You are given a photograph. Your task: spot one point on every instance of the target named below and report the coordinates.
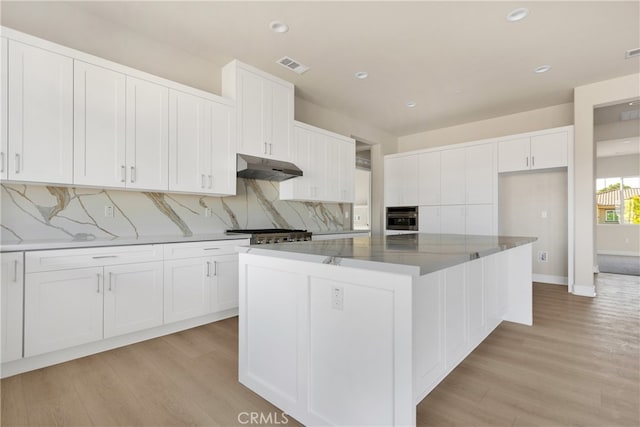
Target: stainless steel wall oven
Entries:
(402, 218)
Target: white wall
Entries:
(543, 118)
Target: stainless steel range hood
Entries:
(268, 169)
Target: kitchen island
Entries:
(358, 331)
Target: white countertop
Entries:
(35, 245)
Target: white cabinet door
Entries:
(452, 175)
(222, 151)
(429, 178)
(456, 314)
(11, 282)
(513, 155)
(99, 126)
(401, 181)
(549, 151)
(132, 298)
(429, 219)
(279, 111)
(187, 288)
(331, 184)
(189, 142)
(62, 309)
(300, 188)
(224, 289)
(476, 312)
(147, 135)
(40, 120)
(479, 220)
(3, 107)
(479, 173)
(453, 219)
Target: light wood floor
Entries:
(578, 365)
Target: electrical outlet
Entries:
(207, 212)
(543, 214)
(108, 211)
(337, 298)
(543, 256)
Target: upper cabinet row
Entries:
(449, 177)
(72, 122)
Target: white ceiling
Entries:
(459, 61)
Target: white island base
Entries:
(350, 344)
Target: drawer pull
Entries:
(211, 249)
(104, 256)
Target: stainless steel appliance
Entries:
(402, 218)
(274, 235)
(252, 167)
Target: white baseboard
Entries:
(547, 278)
(42, 360)
(619, 253)
(584, 290)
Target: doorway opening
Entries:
(362, 205)
(617, 188)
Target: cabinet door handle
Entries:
(210, 181)
(17, 163)
(208, 269)
(215, 268)
(533, 161)
(15, 270)
(133, 174)
(2, 162)
(265, 148)
(270, 147)
(527, 161)
(123, 173)
(98, 288)
(202, 181)
(110, 281)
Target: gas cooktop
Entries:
(274, 235)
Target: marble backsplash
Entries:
(33, 212)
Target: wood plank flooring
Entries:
(578, 365)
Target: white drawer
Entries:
(63, 259)
(202, 249)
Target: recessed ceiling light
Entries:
(542, 69)
(361, 75)
(279, 27)
(518, 14)
(411, 104)
(626, 142)
(634, 102)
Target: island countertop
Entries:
(415, 254)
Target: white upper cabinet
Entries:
(147, 135)
(200, 145)
(401, 181)
(453, 189)
(40, 115)
(3, 107)
(264, 106)
(99, 126)
(327, 161)
(480, 174)
(429, 178)
(549, 151)
(536, 152)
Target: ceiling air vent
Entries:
(292, 65)
(632, 53)
(629, 115)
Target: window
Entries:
(618, 200)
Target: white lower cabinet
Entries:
(132, 298)
(78, 296)
(12, 296)
(200, 278)
(453, 219)
(429, 219)
(62, 309)
(457, 219)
